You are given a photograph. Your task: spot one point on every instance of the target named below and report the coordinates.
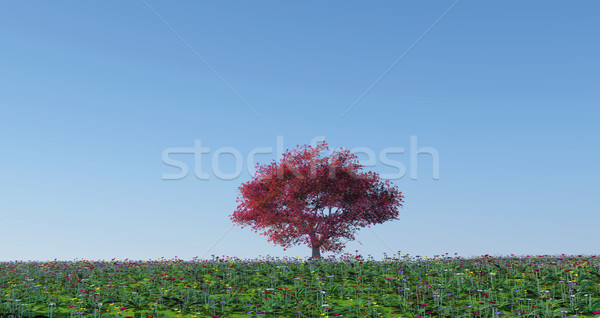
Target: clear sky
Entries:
(93, 93)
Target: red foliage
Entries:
(320, 200)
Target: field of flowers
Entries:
(349, 286)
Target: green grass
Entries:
(350, 286)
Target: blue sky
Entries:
(92, 94)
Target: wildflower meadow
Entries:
(347, 286)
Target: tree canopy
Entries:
(316, 197)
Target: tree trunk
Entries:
(316, 249)
(316, 252)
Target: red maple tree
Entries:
(316, 199)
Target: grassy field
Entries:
(349, 286)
